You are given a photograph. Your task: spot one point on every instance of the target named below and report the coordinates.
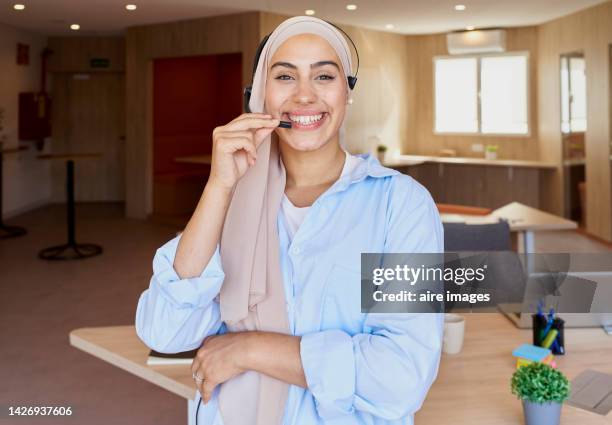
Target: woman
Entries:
(265, 278)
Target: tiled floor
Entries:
(40, 302)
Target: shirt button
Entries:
(295, 250)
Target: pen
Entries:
(549, 323)
(285, 124)
(550, 338)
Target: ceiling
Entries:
(104, 17)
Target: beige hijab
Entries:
(252, 296)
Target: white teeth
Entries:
(305, 119)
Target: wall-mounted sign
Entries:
(99, 63)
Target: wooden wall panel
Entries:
(89, 116)
(588, 31)
(73, 54)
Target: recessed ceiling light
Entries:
(389, 26)
(75, 27)
(19, 6)
(351, 7)
(309, 12)
(460, 7)
(130, 6)
(469, 28)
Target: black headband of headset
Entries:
(352, 80)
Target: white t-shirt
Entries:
(294, 216)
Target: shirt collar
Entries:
(368, 166)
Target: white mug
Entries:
(454, 329)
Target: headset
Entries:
(352, 80)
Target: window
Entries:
(573, 94)
(482, 94)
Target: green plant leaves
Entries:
(540, 383)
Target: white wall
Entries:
(27, 180)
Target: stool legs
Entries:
(71, 250)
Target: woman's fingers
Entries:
(251, 115)
(252, 123)
(261, 134)
(206, 386)
(207, 390)
(233, 144)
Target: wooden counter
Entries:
(407, 160)
(476, 182)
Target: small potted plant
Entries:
(381, 150)
(542, 390)
(491, 152)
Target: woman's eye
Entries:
(284, 77)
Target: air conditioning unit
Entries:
(476, 41)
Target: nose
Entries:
(304, 92)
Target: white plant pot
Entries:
(490, 155)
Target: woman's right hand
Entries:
(235, 147)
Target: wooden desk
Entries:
(121, 347)
(472, 387)
(521, 218)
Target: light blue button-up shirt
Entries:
(360, 368)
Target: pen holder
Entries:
(539, 325)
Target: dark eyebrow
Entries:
(314, 65)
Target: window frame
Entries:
(478, 58)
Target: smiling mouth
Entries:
(306, 122)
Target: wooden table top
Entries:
(472, 387)
(523, 217)
(121, 347)
(520, 218)
(69, 155)
(194, 159)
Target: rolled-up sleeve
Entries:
(175, 314)
(388, 368)
(385, 371)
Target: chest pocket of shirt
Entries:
(342, 300)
